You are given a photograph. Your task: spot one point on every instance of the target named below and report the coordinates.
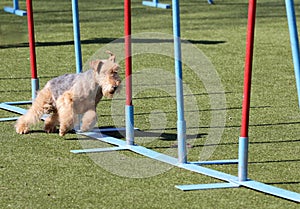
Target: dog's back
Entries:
(61, 84)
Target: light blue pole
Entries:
(181, 124)
(76, 29)
(291, 17)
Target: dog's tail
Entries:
(33, 115)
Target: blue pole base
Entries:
(129, 124)
(181, 139)
(15, 11)
(243, 158)
(156, 4)
(34, 87)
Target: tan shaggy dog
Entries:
(66, 97)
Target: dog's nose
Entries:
(115, 88)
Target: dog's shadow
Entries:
(148, 136)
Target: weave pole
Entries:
(291, 17)
(230, 181)
(76, 29)
(181, 123)
(34, 78)
(128, 72)
(243, 140)
(10, 106)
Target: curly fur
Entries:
(67, 96)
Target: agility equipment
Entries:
(15, 9)
(76, 29)
(155, 3)
(291, 17)
(10, 106)
(230, 180)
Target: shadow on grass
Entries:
(284, 182)
(161, 136)
(110, 40)
(25, 77)
(276, 161)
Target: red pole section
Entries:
(128, 61)
(248, 68)
(31, 39)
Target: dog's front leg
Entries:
(89, 120)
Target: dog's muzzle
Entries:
(114, 89)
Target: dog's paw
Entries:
(63, 132)
(50, 129)
(22, 129)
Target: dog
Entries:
(66, 97)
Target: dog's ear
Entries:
(112, 56)
(115, 68)
(96, 65)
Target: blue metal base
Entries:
(15, 11)
(210, 2)
(9, 119)
(106, 149)
(9, 106)
(207, 186)
(156, 4)
(231, 181)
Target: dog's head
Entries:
(106, 75)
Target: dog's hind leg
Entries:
(35, 112)
(50, 123)
(65, 112)
(89, 120)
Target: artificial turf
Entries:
(38, 171)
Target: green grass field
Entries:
(38, 171)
